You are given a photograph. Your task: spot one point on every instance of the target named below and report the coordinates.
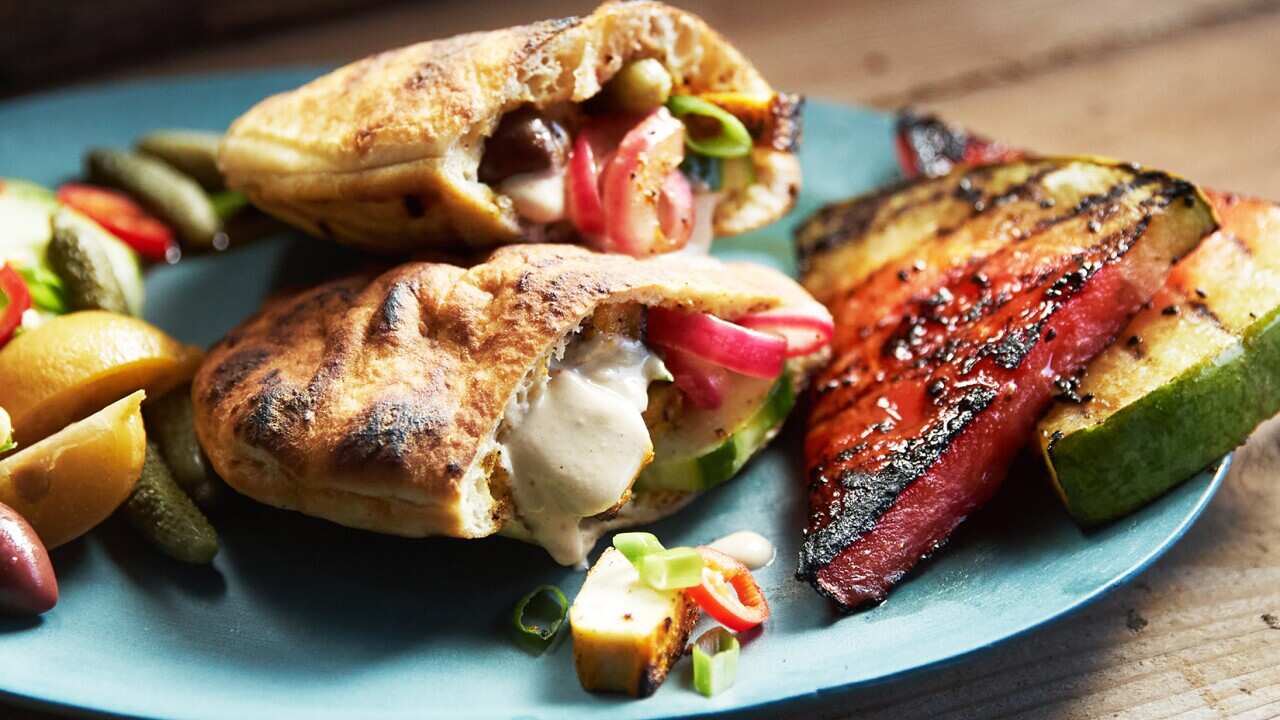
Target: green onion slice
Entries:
(635, 545)
(715, 661)
(732, 139)
(539, 616)
(671, 569)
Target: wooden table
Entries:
(1191, 86)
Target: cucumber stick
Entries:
(694, 469)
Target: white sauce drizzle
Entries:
(577, 440)
(749, 548)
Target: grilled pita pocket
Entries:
(385, 401)
(385, 153)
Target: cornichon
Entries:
(88, 280)
(168, 193)
(119, 260)
(1189, 378)
(193, 152)
(171, 424)
(166, 517)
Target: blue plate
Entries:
(311, 620)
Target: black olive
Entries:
(524, 142)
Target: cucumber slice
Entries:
(681, 465)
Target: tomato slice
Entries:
(122, 217)
(728, 592)
(17, 301)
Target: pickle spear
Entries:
(176, 198)
(165, 516)
(193, 152)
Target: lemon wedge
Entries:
(67, 483)
(76, 364)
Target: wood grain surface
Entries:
(1190, 86)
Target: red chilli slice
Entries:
(729, 593)
(122, 217)
(17, 301)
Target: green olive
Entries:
(639, 87)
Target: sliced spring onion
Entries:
(539, 616)
(731, 139)
(46, 289)
(715, 661)
(635, 545)
(671, 569)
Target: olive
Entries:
(524, 142)
(27, 583)
(639, 87)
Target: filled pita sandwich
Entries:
(635, 129)
(548, 393)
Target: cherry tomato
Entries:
(122, 217)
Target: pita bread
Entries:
(383, 153)
(374, 401)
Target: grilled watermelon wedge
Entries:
(1193, 375)
(930, 147)
(1190, 377)
(958, 303)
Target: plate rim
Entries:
(817, 695)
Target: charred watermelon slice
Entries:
(929, 147)
(1196, 371)
(959, 302)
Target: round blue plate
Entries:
(303, 619)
